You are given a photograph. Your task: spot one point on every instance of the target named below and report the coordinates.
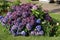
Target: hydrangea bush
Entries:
(29, 19)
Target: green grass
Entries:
(4, 35)
(55, 16)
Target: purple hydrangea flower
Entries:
(24, 14)
(41, 32)
(17, 8)
(28, 19)
(32, 17)
(32, 33)
(32, 22)
(14, 27)
(36, 33)
(28, 26)
(9, 13)
(19, 13)
(24, 21)
(34, 7)
(10, 17)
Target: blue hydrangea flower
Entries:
(20, 26)
(1, 17)
(5, 20)
(19, 20)
(23, 33)
(38, 27)
(38, 21)
(14, 30)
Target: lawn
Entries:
(55, 16)
(4, 35)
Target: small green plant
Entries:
(4, 5)
(28, 0)
(16, 2)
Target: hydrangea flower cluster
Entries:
(20, 18)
